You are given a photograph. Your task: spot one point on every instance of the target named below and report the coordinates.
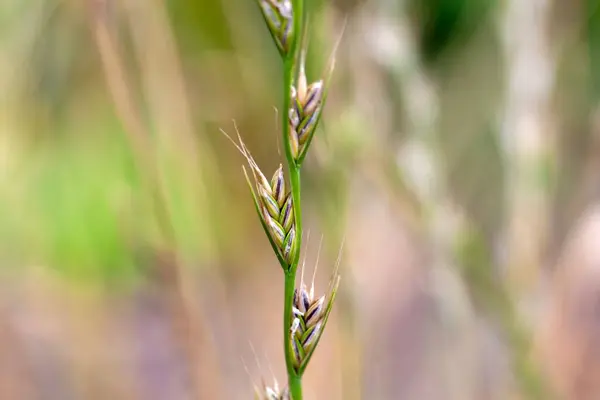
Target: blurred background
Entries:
(458, 160)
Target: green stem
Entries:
(289, 70)
(295, 385)
(294, 380)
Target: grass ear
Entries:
(279, 208)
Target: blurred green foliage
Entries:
(448, 24)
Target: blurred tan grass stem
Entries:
(186, 325)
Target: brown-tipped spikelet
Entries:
(310, 315)
(279, 16)
(274, 205)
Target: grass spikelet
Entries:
(274, 206)
(310, 315)
(279, 15)
(308, 100)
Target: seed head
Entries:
(278, 220)
(275, 206)
(307, 103)
(279, 16)
(309, 316)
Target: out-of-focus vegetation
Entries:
(458, 160)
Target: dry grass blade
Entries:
(186, 325)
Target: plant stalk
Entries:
(294, 381)
(295, 385)
(289, 70)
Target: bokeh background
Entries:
(458, 162)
